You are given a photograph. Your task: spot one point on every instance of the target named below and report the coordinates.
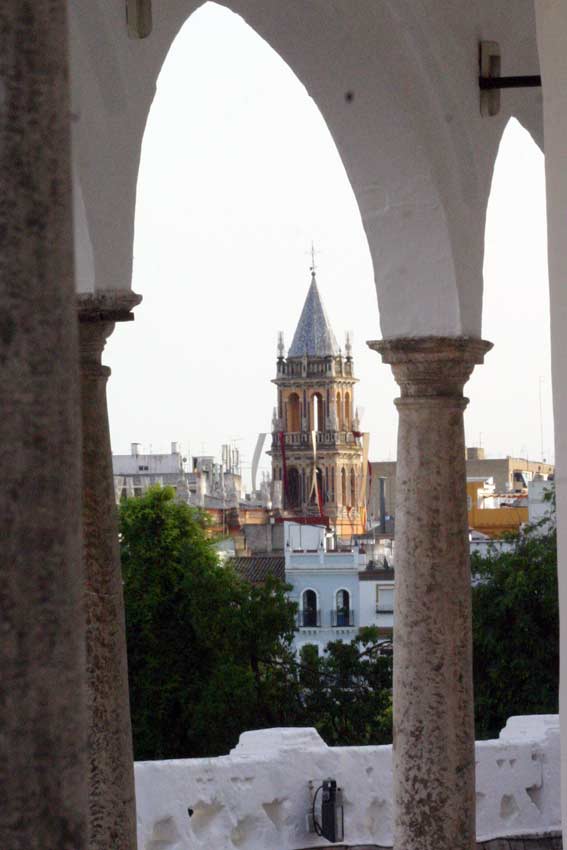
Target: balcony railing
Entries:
(342, 619)
(295, 439)
(309, 619)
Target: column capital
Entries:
(98, 312)
(111, 305)
(426, 367)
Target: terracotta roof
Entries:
(256, 568)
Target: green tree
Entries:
(516, 630)
(202, 643)
(346, 694)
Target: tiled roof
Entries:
(313, 335)
(256, 568)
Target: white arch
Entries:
(400, 98)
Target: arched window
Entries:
(352, 488)
(317, 413)
(348, 415)
(293, 488)
(343, 487)
(309, 612)
(340, 411)
(293, 414)
(342, 608)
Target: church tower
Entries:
(317, 448)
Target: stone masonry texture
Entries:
(42, 711)
(112, 810)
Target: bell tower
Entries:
(317, 448)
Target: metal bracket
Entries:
(139, 18)
(490, 82)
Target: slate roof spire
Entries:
(313, 335)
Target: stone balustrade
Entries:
(258, 797)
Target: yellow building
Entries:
(317, 449)
(492, 513)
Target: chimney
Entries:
(134, 449)
(174, 448)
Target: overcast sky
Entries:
(238, 175)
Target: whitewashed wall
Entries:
(258, 796)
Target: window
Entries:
(309, 615)
(343, 614)
(384, 600)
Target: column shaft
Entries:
(112, 812)
(434, 760)
(42, 712)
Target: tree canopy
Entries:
(516, 629)
(199, 637)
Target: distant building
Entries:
(509, 474)
(136, 472)
(337, 588)
(495, 514)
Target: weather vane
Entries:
(313, 266)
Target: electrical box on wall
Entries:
(326, 816)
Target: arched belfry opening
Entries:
(293, 413)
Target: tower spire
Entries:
(313, 336)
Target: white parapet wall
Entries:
(259, 796)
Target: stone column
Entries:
(42, 713)
(434, 760)
(112, 810)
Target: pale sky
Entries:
(239, 174)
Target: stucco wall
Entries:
(258, 796)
